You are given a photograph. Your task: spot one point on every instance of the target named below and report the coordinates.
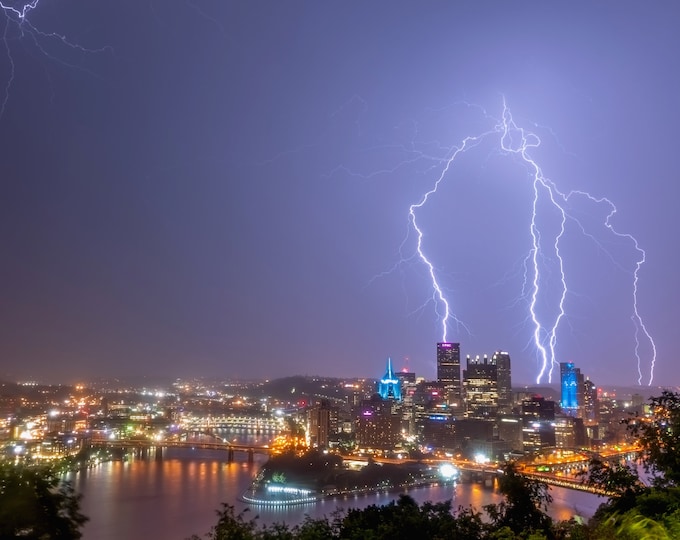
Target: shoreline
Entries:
(302, 496)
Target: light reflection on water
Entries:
(566, 503)
(178, 496)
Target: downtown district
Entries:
(469, 413)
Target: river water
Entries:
(178, 496)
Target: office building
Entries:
(570, 432)
(322, 424)
(408, 393)
(572, 388)
(538, 423)
(480, 383)
(590, 415)
(448, 373)
(378, 427)
(389, 386)
(505, 400)
(438, 431)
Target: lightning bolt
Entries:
(516, 141)
(20, 13)
(636, 318)
(437, 293)
(17, 20)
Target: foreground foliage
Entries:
(659, 439)
(648, 508)
(403, 519)
(36, 504)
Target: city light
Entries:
(448, 471)
(288, 490)
(481, 459)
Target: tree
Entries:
(231, 526)
(526, 501)
(621, 483)
(35, 503)
(314, 529)
(635, 510)
(659, 438)
(405, 519)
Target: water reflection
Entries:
(178, 496)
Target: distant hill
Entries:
(301, 387)
(621, 392)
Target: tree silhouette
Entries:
(35, 503)
(659, 438)
(526, 502)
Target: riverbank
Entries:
(290, 479)
(278, 496)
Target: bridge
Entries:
(144, 446)
(258, 423)
(554, 473)
(579, 460)
(570, 483)
(487, 472)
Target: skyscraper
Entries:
(538, 419)
(480, 381)
(389, 386)
(590, 415)
(377, 425)
(408, 392)
(572, 386)
(322, 422)
(505, 401)
(448, 373)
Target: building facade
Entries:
(505, 396)
(538, 424)
(448, 373)
(378, 427)
(322, 424)
(572, 387)
(480, 384)
(389, 386)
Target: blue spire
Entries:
(390, 386)
(389, 374)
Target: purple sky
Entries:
(215, 192)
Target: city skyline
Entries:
(252, 199)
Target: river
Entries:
(178, 496)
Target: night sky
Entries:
(217, 188)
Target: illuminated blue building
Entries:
(389, 386)
(571, 381)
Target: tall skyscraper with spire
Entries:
(389, 386)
